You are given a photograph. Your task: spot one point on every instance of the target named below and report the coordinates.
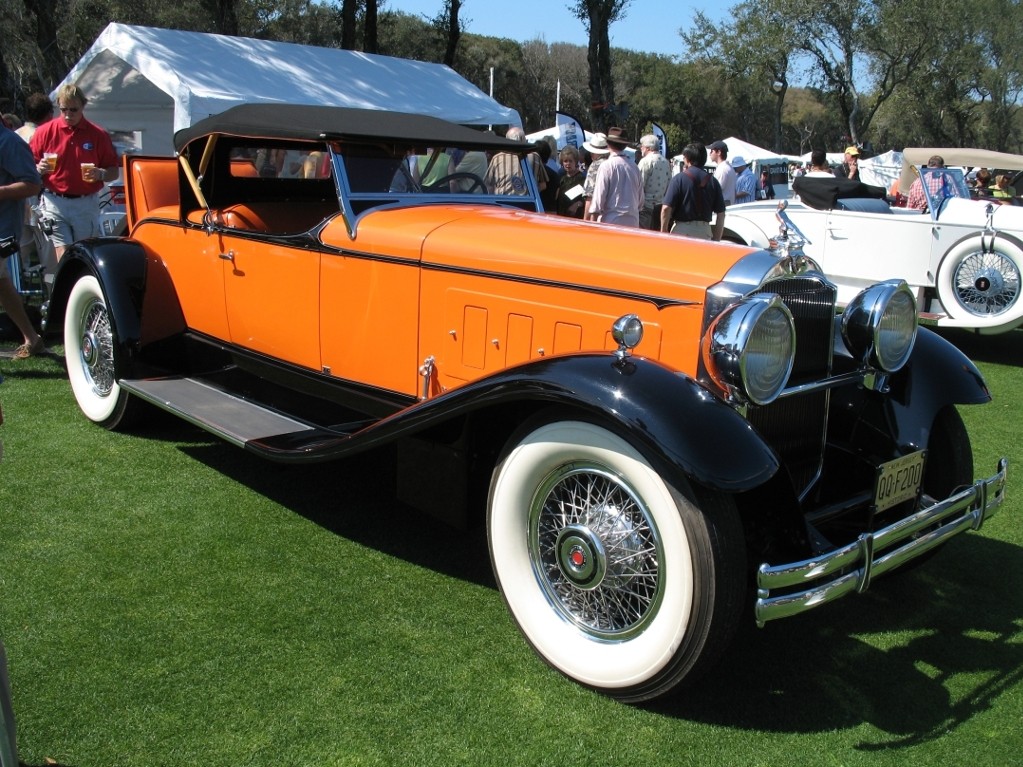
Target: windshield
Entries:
(942, 183)
(395, 170)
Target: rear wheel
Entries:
(91, 349)
(616, 578)
(982, 284)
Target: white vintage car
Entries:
(962, 256)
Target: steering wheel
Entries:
(439, 184)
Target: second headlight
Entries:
(879, 325)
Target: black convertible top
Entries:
(322, 123)
(823, 193)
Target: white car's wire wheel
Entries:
(89, 349)
(982, 283)
(615, 578)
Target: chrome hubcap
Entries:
(595, 551)
(96, 349)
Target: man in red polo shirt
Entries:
(74, 158)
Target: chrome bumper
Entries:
(851, 568)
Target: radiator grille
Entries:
(796, 426)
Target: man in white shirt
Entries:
(724, 172)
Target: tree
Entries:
(349, 13)
(225, 15)
(597, 16)
(52, 63)
(756, 51)
(370, 28)
(1002, 80)
(454, 29)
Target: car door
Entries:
(861, 248)
(272, 296)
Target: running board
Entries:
(233, 418)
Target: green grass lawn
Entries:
(167, 599)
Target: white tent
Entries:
(882, 170)
(758, 157)
(144, 83)
(834, 158)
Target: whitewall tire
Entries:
(89, 349)
(615, 578)
(982, 289)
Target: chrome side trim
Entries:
(853, 567)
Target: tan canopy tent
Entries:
(954, 157)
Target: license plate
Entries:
(899, 480)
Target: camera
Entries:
(8, 246)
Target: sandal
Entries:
(25, 351)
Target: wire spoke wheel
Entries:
(595, 551)
(987, 283)
(619, 578)
(90, 350)
(96, 348)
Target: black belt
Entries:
(67, 196)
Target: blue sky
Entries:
(650, 26)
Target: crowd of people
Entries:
(600, 182)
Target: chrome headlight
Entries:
(750, 347)
(879, 325)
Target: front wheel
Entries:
(90, 349)
(617, 579)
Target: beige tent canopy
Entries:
(954, 156)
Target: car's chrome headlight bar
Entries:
(749, 347)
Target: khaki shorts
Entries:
(698, 229)
(71, 218)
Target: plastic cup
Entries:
(86, 167)
(51, 160)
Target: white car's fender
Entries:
(741, 229)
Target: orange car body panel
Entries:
(475, 288)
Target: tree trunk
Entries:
(54, 66)
(348, 16)
(454, 31)
(369, 36)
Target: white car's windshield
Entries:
(942, 183)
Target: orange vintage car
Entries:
(648, 425)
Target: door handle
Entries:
(229, 256)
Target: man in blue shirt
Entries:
(19, 180)
(693, 198)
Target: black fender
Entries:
(679, 422)
(120, 267)
(936, 376)
(674, 421)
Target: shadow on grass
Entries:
(356, 499)
(955, 630)
(949, 633)
(1003, 349)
